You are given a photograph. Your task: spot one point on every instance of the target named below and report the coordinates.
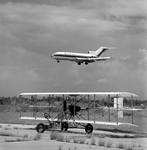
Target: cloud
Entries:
(128, 10)
(79, 82)
(51, 27)
(101, 80)
(32, 31)
(143, 60)
(32, 75)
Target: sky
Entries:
(31, 31)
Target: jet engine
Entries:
(91, 52)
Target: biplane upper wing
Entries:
(117, 94)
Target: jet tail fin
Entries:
(102, 50)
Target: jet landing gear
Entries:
(88, 128)
(58, 61)
(79, 63)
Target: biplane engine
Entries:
(71, 109)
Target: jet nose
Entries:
(53, 55)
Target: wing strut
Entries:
(88, 106)
(94, 108)
(117, 108)
(109, 107)
(132, 110)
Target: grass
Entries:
(129, 148)
(88, 136)
(16, 140)
(37, 137)
(93, 141)
(25, 135)
(67, 139)
(101, 142)
(120, 146)
(101, 135)
(82, 141)
(57, 136)
(109, 144)
(7, 134)
(8, 128)
(13, 135)
(53, 135)
(139, 145)
(75, 140)
(60, 147)
(21, 138)
(16, 128)
(60, 137)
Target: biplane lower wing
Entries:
(121, 109)
(80, 121)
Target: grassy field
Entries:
(17, 138)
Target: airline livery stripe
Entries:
(75, 56)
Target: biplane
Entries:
(69, 115)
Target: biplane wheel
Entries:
(88, 128)
(64, 126)
(40, 128)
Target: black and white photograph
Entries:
(73, 74)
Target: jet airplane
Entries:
(91, 56)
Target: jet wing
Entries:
(92, 59)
